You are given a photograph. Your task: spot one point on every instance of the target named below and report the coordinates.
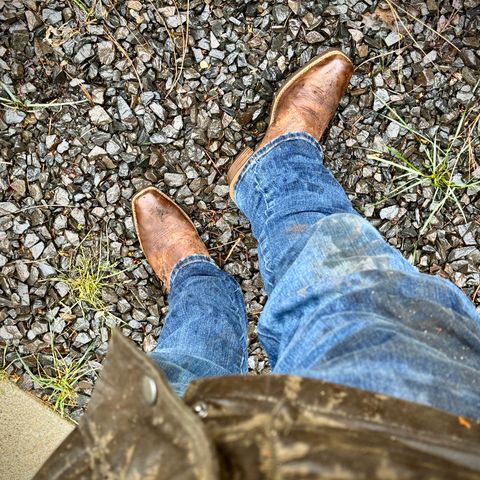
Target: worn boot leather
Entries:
(306, 103)
(165, 232)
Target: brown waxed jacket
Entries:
(255, 427)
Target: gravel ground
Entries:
(160, 110)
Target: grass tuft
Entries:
(61, 378)
(89, 272)
(439, 167)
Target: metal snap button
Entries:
(201, 409)
(149, 390)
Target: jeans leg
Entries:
(284, 190)
(344, 306)
(205, 331)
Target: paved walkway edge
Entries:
(30, 432)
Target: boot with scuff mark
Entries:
(166, 233)
(306, 103)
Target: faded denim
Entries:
(344, 306)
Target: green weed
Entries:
(61, 378)
(89, 272)
(438, 167)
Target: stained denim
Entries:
(343, 306)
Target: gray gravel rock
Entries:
(33, 20)
(81, 339)
(19, 187)
(14, 117)
(98, 116)
(84, 52)
(280, 13)
(393, 130)
(381, 98)
(58, 325)
(61, 197)
(113, 194)
(7, 207)
(50, 141)
(63, 146)
(154, 116)
(37, 250)
(37, 328)
(124, 111)
(22, 270)
(392, 38)
(314, 37)
(51, 17)
(62, 288)
(389, 213)
(10, 332)
(106, 52)
(158, 110)
(174, 179)
(20, 39)
(470, 58)
(46, 270)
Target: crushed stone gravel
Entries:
(170, 111)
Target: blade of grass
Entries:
(412, 171)
(459, 205)
(398, 155)
(433, 212)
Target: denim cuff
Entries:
(196, 258)
(265, 150)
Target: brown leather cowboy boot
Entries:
(306, 103)
(165, 232)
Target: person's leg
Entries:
(343, 305)
(205, 331)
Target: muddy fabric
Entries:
(241, 427)
(135, 428)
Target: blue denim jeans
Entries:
(343, 306)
